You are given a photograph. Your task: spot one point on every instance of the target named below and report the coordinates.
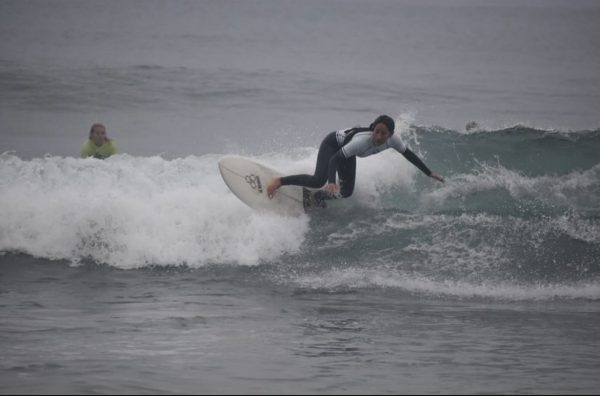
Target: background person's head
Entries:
(98, 134)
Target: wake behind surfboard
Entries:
(248, 180)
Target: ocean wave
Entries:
(494, 188)
(131, 212)
(530, 151)
(489, 224)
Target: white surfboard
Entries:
(248, 180)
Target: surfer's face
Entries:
(380, 134)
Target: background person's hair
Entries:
(94, 126)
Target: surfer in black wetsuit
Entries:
(338, 152)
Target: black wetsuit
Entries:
(338, 152)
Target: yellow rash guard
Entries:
(89, 149)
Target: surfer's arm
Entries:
(331, 186)
(416, 161)
(333, 165)
(403, 149)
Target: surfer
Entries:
(98, 144)
(338, 152)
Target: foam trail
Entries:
(355, 278)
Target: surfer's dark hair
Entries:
(385, 120)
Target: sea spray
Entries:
(130, 212)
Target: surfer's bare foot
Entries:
(273, 186)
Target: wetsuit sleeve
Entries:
(416, 161)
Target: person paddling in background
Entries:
(98, 144)
(338, 152)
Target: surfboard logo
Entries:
(254, 182)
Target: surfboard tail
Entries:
(311, 200)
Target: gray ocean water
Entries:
(143, 274)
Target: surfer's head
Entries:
(383, 128)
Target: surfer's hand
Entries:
(273, 186)
(437, 177)
(331, 188)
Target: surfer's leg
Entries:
(328, 148)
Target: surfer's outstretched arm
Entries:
(416, 161)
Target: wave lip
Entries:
(494, 188)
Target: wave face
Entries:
(518, 216)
